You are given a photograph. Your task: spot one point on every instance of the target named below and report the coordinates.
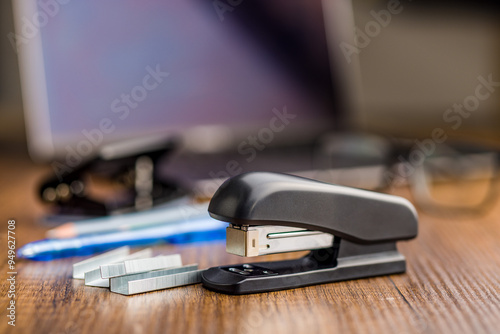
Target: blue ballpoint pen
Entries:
(205, 229)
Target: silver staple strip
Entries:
(93, 277)
(115, 255)
(163, 282)
(264, 240)
(141, 265)
(120, 284)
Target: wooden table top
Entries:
(452, 285)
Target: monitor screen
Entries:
(104, 71)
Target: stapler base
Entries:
(281, 275)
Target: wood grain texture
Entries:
(452, 286)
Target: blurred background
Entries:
(426, 59)
(11, 111)
(356, 77)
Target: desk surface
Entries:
(452, 286)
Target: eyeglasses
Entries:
(448, 181)
(454, 184)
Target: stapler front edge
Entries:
(350, 232)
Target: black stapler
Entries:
(351, 233)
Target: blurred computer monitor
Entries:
(212, 73)
(414, 67)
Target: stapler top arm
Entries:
(277, 199)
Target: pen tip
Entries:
(25, 252)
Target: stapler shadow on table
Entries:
(351, 233)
